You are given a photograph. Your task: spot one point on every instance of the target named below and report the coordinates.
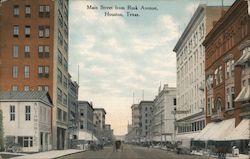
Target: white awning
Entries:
(244, 58)
(186, 136)
(244, 94)
(158, 138)
(216, 130)
(241, 132)
(83, 135)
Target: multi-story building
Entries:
(162, 126)
(145, 118)
(108, 134)
(133, 129)
(27, 119)
(227, 46)
(190, 71)
(99, 122)
(73, 115)
(34, 54)
(86, 115)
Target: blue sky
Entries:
(121, 55)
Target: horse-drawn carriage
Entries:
(118, 145)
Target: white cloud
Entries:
(117, 57)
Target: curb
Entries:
(68, 154)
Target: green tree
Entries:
(1, 131)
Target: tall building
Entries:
(145, 119)
(86, 115)
(162, 125)
(34, 54)
(99, 122)
(190, 55)
(228, 87)
(73, 116)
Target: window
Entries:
(26, 51)
(216, 76)
(81, 112)
(40, 71)
(15, 51)
(26, 88)
(208, 106)
(43, 31)
(27, 11)
(27, 31)
(229, 69)
(65, 99)
(16, 10)
(12, 113)
(59, 57)
(14, 71)
(25, 141)
(15, 31)
(43, 51)
(26, 71)
(65, 64)
(174, 101)
(59, 76)
(44, 11)
(59, 94)
(60, 38)
(65, 81)
(14, 88)
(43, 71)
(46, 71)
(43, 88)
(27, 112)
(59, 114)
(220, 74)
(81, 126)
(64, 116)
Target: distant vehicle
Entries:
(118, 145)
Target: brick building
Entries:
(34, 54)
(224, 82)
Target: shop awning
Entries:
(244, 94)
(83, 135)
(216, 130)
(186, 136)
(244, 58)
(241, 132)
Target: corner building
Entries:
(34, 54)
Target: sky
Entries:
(121, 56)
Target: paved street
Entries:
(130, 152)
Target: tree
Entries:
(1, 131)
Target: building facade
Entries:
(133, 129)
(227, 91)
(145, 119)
(73, 116)
(27, 120)
(190, 55)
(162, 125)
(99, 122)
(34, 55)
(86, 116)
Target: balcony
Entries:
(217, 116)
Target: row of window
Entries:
(43, 51)
(43, 31)
(44, 11)
(13, 113)
(62, 97)
(43, 71)
(61, 115)
(27, 88)
(195, 126)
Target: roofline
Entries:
(223, 18)
(100, 109)
(83, 102)
(189, 26)
(23, 100)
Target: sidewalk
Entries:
(49, 154)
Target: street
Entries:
(130, 152)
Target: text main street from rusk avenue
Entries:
(122, 10)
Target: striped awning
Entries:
(244, 94)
